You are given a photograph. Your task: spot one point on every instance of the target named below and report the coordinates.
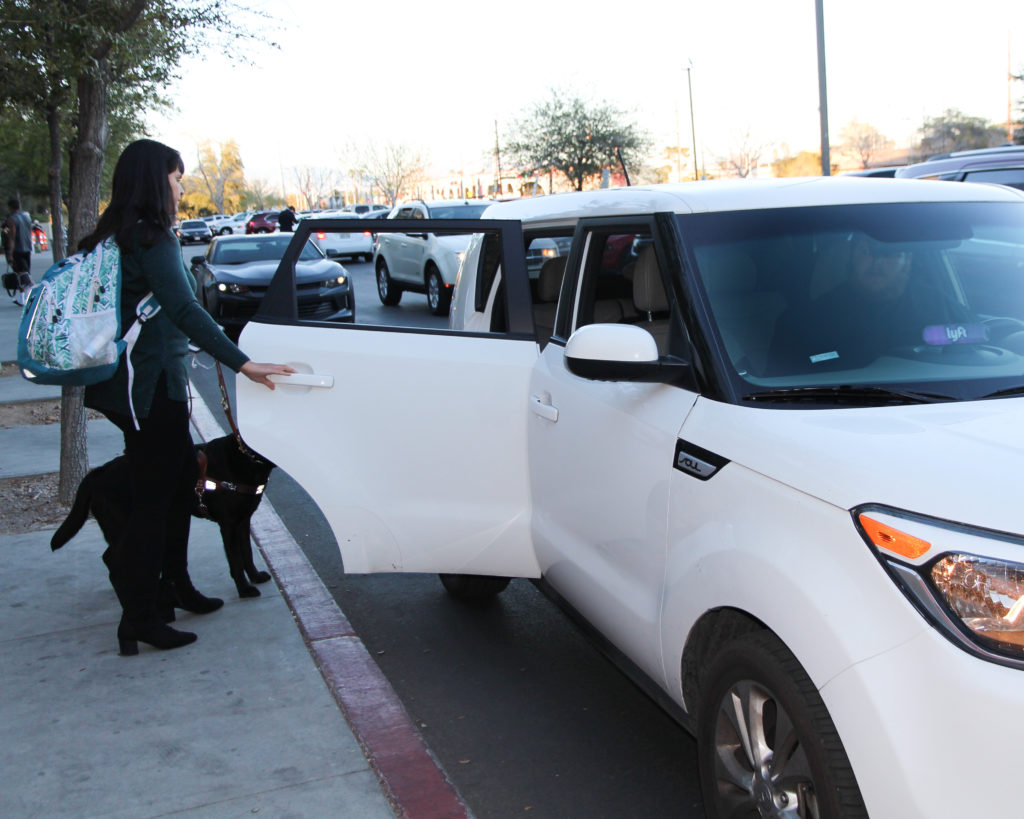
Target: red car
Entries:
(265, 221)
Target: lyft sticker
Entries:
(938, 335)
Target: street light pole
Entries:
(693, 129)
(826, 160)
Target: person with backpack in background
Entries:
(149, 565)
(18, 248)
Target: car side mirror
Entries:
(197, 260)
(620, 352)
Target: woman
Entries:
(160, 452)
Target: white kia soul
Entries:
(764, 436)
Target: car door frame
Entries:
(425, 467)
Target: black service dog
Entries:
(230, 488)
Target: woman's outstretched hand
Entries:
(259, 372)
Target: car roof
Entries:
(739, 194)
(1006, 156)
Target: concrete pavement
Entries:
(277, 709)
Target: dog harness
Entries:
(207, 484)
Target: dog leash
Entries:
(225, 404)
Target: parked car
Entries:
(264, 221)
(886, 171)
(814, 561)
(193, 230)
(543, 248)
(423, 262)
(1002, 166)
(233, 224)
(364, 209)
(354, 245)
(233, 276)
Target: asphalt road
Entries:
(524, 714)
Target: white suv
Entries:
(423, 262)
(765, 437)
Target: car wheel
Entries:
(473, 586)
(262, 230)
(225, 231)
(765, 741)
(439, 297)
(390, 294)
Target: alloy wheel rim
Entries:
(760, 760)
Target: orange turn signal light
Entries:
(892, 539)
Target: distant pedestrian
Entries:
(287, 219)
(18, 248)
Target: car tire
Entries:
(473, 586)
(225, 231)
(757, 699)
(262, 230)
(390, 294)
(439, 297)
(367, 257)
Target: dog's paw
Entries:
(249, 591)
(259, 577)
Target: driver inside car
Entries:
(884, 305)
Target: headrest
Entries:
(549, 281)
(648, 289)
(727, 270)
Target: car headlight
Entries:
(968, 582)
(232, 288)
(337, 281)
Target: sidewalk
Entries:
(277, 709)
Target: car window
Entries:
(244, 251)
(194, 223)
(457, 211)
(1013, 177)
(868, 294)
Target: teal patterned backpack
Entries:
(70, 331)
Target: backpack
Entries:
(70, 331)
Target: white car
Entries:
(423, 262)
(231, 224)
(766, 440)
(354, 245)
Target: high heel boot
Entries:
(154, 633)
(182, 594)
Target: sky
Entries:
(439, 77)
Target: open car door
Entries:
(412, 441)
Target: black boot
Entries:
(185, 596)
(157, 634)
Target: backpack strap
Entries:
(144, 311)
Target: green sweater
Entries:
(163, 342)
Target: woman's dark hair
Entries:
(140, 195)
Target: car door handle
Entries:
(303, 380)
(541, 405)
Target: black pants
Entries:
(162, 473)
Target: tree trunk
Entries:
(58, 241)
(86, 178)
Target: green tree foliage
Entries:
(70, 64)
(955, 131)
(575, 137)
(216, 182)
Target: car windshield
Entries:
(458, 211)
(925, 296)
(271, 249)
(193, 224)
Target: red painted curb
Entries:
(411, 778)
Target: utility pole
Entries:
(497, 162)
(693, 128)
(826, 160)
